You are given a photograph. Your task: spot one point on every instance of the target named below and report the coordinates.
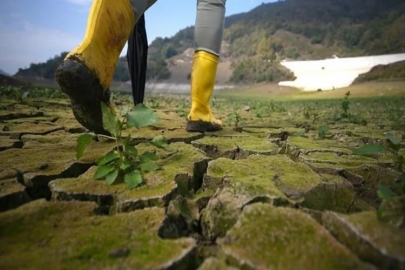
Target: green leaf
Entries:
(110, 120)
(145, 157)
(323, 128)
(132, 150)
(103, 171)
(126, 141)
(133, 179)
(109, 157)
(141, 116)
(393, 140)
(82, 142)
(369, 149)
(111, 177)
(125, 110)
(149, 167)
(125, 165)
(385, 193)
(159, 142)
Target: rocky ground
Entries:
(274, 192)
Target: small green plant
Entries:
(181, 110)
(393, 201)
(346, 106)
(391, 145)
(392, 208)
(307, 111)
(235, 118)
(124, 162)
(322, 131)
(258, 113)
(397, 118)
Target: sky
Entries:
(33, 31)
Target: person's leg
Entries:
(140, 6)
(87, 72)
(207, 44)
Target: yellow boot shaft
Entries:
(109, 26)
(203, 76)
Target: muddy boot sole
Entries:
(85, 92)
(200, 126)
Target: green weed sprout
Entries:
(392, 207)
(124, 162)
(346, 106)
(322, 131)
(181, 110)
(234, 118)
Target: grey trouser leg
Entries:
(140, 6)
(209, 26)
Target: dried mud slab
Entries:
(40, 128)
(333, 163)
(295, 146)
(372, 240)
(43, 141)
(276, 180)
(7, 143)
(12, 194)
(226, 205)
(182, 161)
(266, 237)
(213, 263)
(67, 235)
(70, 125)
(23, 113)
(238, 147)
(337, 197)
(278, 175)
(172, 135)
(38, 166)
(366, 178)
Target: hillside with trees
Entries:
(285, 30)
(391, 72)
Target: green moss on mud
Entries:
(53, 159)
(307, 144)
(374, 241)
(172, 135)
(327, 178)
(67, 235)
(272, 173)
(10, 186)
(53, 138)
(30, 128)
(334, 197)
(180, 159)
(249, 143)
(332, 160)
(281, 238)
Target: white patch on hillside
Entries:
(329, 74)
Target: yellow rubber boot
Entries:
(204, 70)
(87, 72)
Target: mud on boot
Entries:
(85, 92)
(201, 126)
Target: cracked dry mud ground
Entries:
(272, 196)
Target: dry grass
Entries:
(273, 91)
